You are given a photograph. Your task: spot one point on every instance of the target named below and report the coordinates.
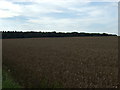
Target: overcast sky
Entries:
(59, 15)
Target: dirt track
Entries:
(70, 62)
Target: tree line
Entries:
(31, 34)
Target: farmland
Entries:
(69, 62)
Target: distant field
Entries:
(74, 62)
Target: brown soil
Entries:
(74, 62)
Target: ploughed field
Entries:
(71, 62)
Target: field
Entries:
(74, 62)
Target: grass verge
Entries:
(7, 80)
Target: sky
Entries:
(59, 15)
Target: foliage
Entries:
(20, 34)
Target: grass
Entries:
(44, 84)
(8, 81)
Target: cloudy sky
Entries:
(59, 15)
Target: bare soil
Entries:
(73, 62)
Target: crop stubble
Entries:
(74, 62)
